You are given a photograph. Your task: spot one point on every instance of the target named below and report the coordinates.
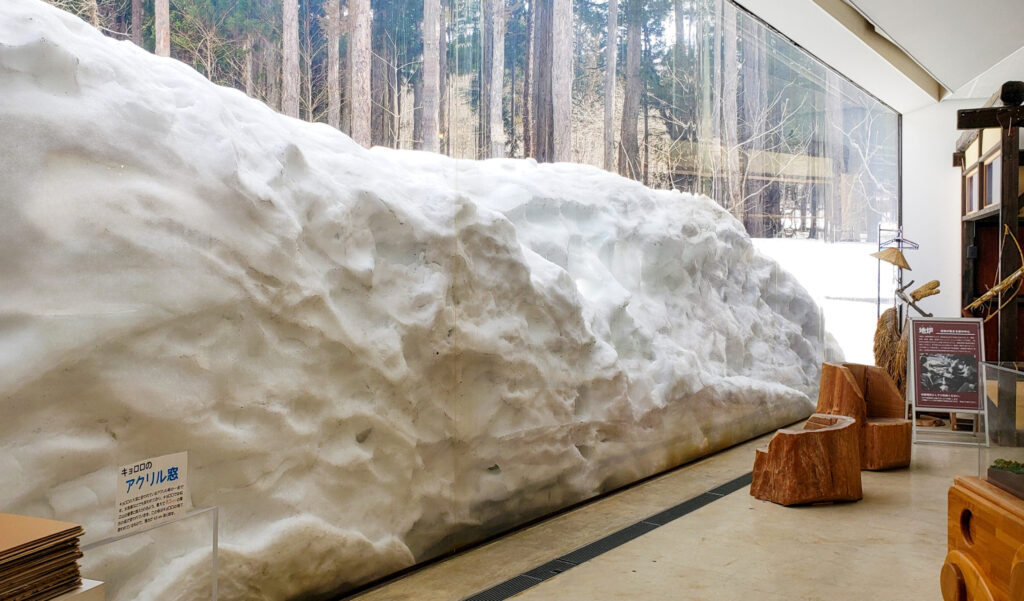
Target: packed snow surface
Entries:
(371, 356)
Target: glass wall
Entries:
(807, 160)
(706, 98)
(375, 357)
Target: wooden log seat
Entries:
(818, 464)
(867, 394)
(985, 538)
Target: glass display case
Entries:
(1002, 462)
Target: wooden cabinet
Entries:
(985, 552)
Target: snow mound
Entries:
(372, 356)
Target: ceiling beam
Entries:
(859, 26)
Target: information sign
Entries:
(151, 492)
(947, 356)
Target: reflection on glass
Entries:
(800, 155)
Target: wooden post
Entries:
(1009, 262)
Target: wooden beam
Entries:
(850, 18)
(990, 117)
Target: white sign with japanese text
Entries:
(151, 492)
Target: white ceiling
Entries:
(969, 47)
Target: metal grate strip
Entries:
(550, 569)
(520, 583)
(506, 589)
(688, 506)
(733, 485)
(603, 545)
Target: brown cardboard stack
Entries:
(38, 558)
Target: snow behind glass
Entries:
(372, 356)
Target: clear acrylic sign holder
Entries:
(211, 512)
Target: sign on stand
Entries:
(151, 492)
(944, 369)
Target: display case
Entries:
(1004, 397)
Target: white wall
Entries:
(931, 201)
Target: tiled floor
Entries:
(887, 547)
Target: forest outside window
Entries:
(697, 95)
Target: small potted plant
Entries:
(1007, 475)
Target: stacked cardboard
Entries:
(38, 558)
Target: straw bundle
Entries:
(890, 347)
(926, 290)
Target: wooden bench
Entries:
(867, 394)
(820, 463)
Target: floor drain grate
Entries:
(506, 589)
(550, 569)
(520, 583)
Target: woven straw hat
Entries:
(894, 256)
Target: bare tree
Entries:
(417, 112)
(162, 28)
(200, 39)
(496, 83)
(610, 61)
(290, 58)
(730, 109)
(359, 70)
(561, 80)
(528, 83)
(93, 12)
(333, 17)
(629, 148)
(834, 149)
(442, 56)
(384, 88)
(272, 70)
(483, 128)
(247, 67)
(431, 80)
(541, 95)
(137, 22)
(753, 76)
(306, 61)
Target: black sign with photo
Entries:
(947, 364)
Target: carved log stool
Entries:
(818, 464)
(867, 394)
(985, 533)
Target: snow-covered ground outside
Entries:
(842, 277)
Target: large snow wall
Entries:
(372, 356)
